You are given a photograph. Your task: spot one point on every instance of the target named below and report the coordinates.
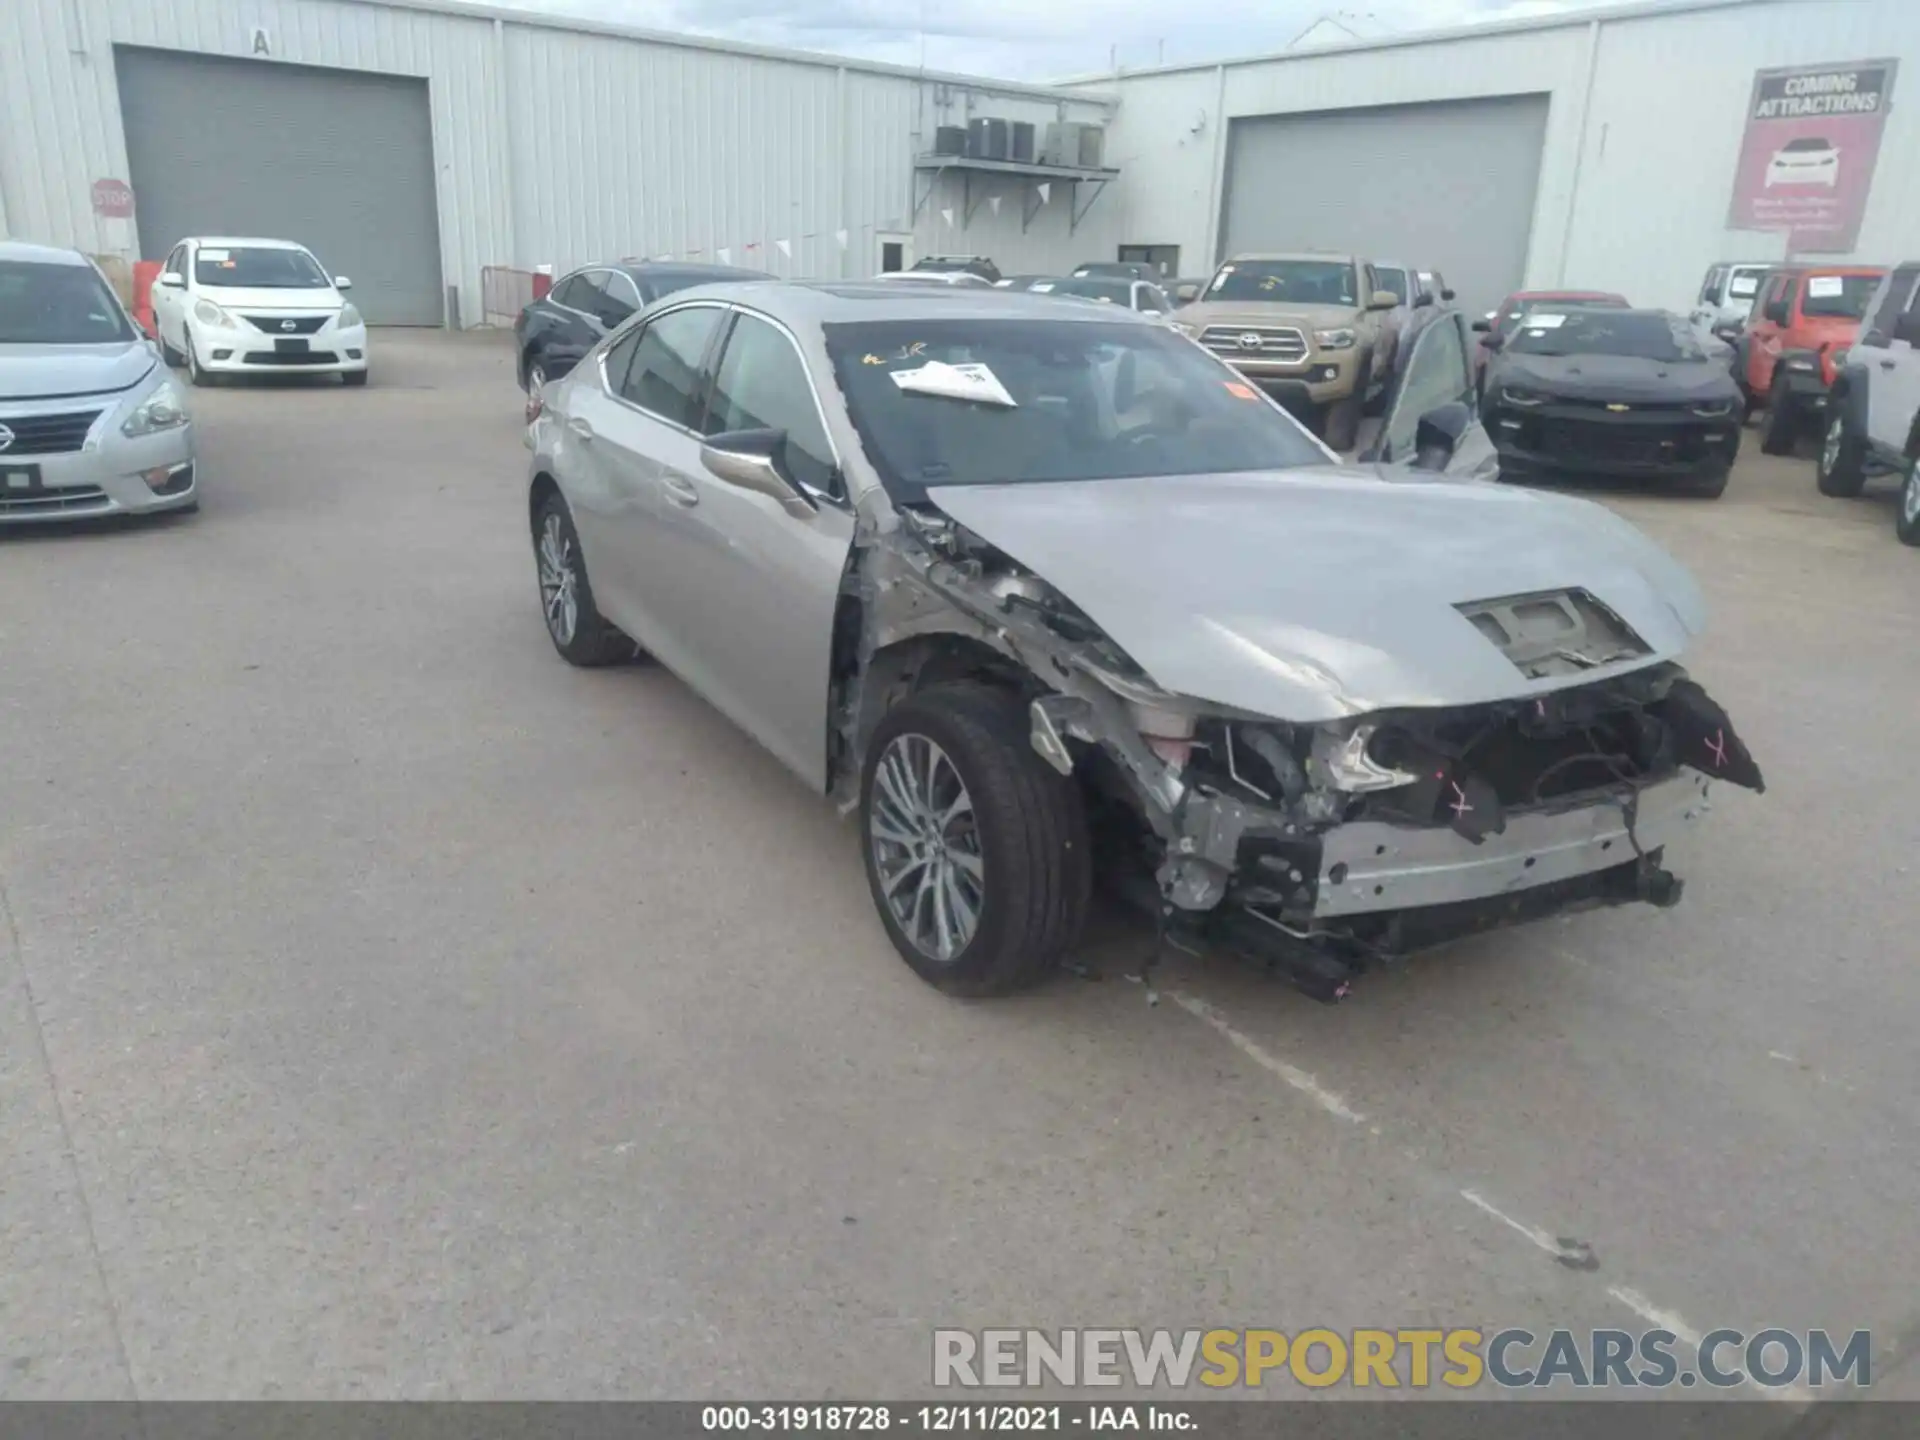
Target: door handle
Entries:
(581, 428)
(681, 492)
(1886, 364)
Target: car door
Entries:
(168, 308)
(1762, 347)
(750, 589)
(1896, 396)
(637, 415)
(1881, 355)
(1435, 372)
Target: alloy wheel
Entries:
(1910, 497)
(926, 846)
(559, 580)
(1830, 451)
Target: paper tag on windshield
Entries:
(1543, 322)
(1825, 287)
(216, 256)
(1043, 286)
(955, 382)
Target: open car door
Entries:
(1429, 418)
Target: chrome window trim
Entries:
(615, 337)
(843, 502)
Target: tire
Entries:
(1342, 425)
(584, 637)
(353, 377)
(196, 375)
(1906, 520)
(1780, 423)
(1842, 468)
(1710, 484)
(169, 356)
(1027, 841)
(533, 373)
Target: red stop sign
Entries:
(113, 199)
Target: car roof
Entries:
(839, 302)
(26, 251)
(640, 269)
(1566, 295)
(1293, 255)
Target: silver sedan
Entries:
(91, 424)
(1043, 591)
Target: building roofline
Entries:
(1572, 19)
(568, 24)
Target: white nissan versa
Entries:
(236, 307)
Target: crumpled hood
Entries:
(44, 372)
(1311, 594)
(1618, 377)
(276, 298)
(1253, 313)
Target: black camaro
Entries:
(556, 330)
(1629, 393)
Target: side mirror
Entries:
(1439, 434)
(1186, 294)
(1777, 312)
(341, 282)
(174, 280)
(1446, 294)
(748, 460)
(1482, 327)
(1383, 300)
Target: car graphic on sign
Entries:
(1810, 160)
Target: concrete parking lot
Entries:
(387, 1009)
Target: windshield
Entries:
(1295, 282)
(1394, 280)
(58, 305)
(1044, 400)
(1744, 284)
(1092, 287)
(1634, 334)
(1838, 297)
(258, 268)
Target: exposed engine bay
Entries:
(1322, 848)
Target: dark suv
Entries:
(973, 264)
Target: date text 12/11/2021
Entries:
(948, 1419)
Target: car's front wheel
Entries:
(1780, 425)
(976, 850)
(197, 374)
(579, 632)
(1842, 469)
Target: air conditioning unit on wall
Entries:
(987, 138)
(1073, 143)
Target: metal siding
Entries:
(1474, 229)
(341, 160)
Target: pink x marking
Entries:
(1460, 806)
(1718, 745)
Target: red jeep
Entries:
(1803, 317)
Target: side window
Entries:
(572, 292)
(1151, 300)
(1436, 373)
(603, 301)
(1774, 289)
(762, 385)
(1907, 327)
(1888, 305)
(665, 376)
(176, 263)
(1710, 287)
(622, 298)
(620, 359)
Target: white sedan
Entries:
(255, 307)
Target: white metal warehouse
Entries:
(413, 143)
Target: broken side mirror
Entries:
(1439, 434)
(749, 460)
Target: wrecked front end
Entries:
(1317, 849)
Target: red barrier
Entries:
(505, 292)
(542, 284)
(145, 272)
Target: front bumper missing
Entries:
(1368, 867)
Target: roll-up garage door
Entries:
(339, 160)
(1447, 186)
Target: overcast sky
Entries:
(1041, 39)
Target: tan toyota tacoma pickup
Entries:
(1312, 330)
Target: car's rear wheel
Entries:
(1780, 425)
(976, 850)
(1842, 468)
(579, 632)
(1906, 524)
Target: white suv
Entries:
(1873, 416)
(231, 306)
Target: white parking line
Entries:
(1573, 1254)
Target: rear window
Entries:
(1744, 284)
(58, 305)
(1031, 401)
(1838, 297)
(257, 268)
(1093, 287)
